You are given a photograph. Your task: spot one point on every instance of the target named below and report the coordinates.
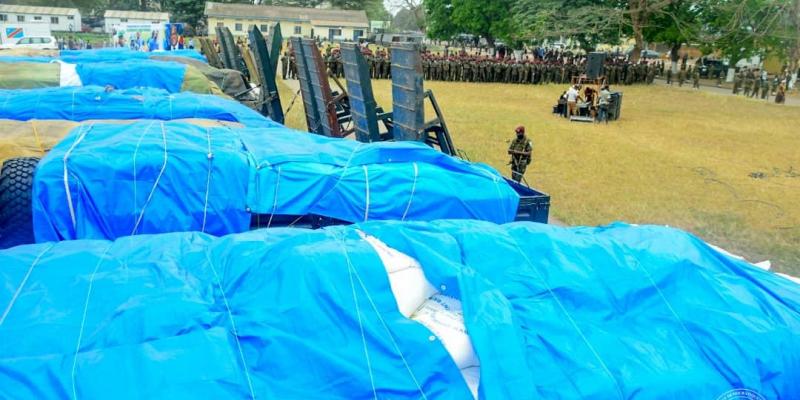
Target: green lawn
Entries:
(677, 157)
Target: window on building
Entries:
(238, 27)
(123, 20)
(220, 24)
(70, 17)
(298, 30)
(332, 33)
(20, 18)
(357, 33)
(264, 27)
(3, 17)
(53, 20)
(37, 18)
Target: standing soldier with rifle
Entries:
(520, 151)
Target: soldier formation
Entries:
(531, 70)
(464, 67)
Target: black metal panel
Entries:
(275, 43)
(227, 47)
(312, 116)
(321, 88)
(407, 93)
(270, 100)
(363, 108)
(208, 49)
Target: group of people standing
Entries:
(464, 67)
(530, 70)
(685, 73)
(753, 82)
(591, 101)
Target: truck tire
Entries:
(16, 187)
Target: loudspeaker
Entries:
(594, 65)
(615, 108)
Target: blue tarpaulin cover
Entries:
(134, 73)
(104, 55)
(153, 177)
(617, 312)
(94, 102)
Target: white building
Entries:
(60, 19)
(328, 24)
(115, 17)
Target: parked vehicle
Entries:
(11, 33)
(33, 42)
(711, 68)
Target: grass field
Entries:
(724, 168)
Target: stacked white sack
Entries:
(419, 301)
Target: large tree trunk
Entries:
(674, 56)
(794, 61)
(637, 10)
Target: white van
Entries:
(33, 42)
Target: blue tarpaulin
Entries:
(617, 312)
(153, 177)
(134, 73)
(94, 102)
(104, 55)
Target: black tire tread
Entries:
(16, 190)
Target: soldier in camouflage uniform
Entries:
(737, 82)
(520, 151)
(756, 84)
(748, 83)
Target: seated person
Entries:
(561, 106)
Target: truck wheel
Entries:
(16, 187)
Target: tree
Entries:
(491, 19)
(376, 11)
(674, 25)
(589, 21)
(741, 29)
(407, 20)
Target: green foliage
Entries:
(376, 11)
(491, 19)
(439, 14)
(743, 28)
(679, 22)
(591, 22)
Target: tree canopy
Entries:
(491, 19)
(736, 28)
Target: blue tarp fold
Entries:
(104, 55)
(154, 176)
(552, 313)
(134, 73)
(95, 103)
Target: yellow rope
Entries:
(36, 136)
